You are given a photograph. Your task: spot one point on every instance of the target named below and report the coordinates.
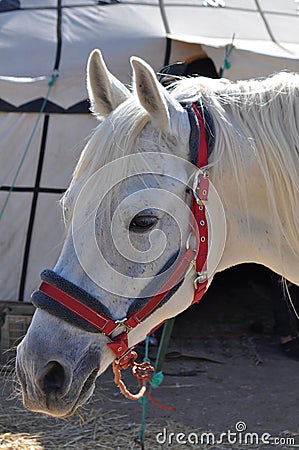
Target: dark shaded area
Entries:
(9, 5)
(240, 300)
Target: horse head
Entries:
(127, 214)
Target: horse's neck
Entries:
(251, 234)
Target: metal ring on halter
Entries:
(201, 278)
(188, 242)
(188, 245)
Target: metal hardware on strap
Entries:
(200, 186)
(119, 346)
(123, 323)
(201, 278)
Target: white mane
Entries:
(263, 116)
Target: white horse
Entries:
(136, 226)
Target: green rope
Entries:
(226, 63)
(158, 375)
(144, 401)
(50, 85)
(164, 341)
(146, 350)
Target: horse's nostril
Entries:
(53, 380)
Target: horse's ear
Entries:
(154, 98)
(105, 91)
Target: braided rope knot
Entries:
(143, 372)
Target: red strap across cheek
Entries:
(179, 272)
(199, 210)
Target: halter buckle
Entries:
(122, 323)
(201, 176)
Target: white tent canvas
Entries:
(40, 38)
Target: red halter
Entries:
(119, 344)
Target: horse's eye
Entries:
(142, 222)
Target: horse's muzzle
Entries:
(54, 388)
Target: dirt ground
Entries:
(224, 373)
